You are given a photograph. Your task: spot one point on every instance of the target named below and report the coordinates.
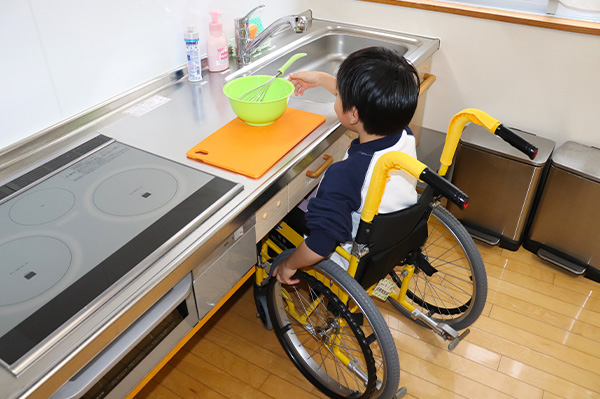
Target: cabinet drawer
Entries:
(271, 213)
(310, 177)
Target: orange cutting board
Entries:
(252, 150)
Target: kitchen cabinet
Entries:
(290, 195)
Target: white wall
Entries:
(540, 80)
(61, 57)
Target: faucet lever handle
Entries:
(247, 16)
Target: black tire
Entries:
(457, 291)
(364, 337)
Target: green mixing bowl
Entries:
(259, 113)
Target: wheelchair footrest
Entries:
(442, 329)
(401, 392)
(454, 343)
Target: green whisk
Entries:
(257, 94)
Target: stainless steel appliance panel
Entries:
(214, 277)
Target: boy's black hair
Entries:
(382, 85)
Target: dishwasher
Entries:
(219, 272)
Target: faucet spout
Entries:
(297, 23)
(245, 46)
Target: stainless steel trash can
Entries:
(565, 228)
(501, 183)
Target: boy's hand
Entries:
(301, 257)
(284, 274)
(304, 81)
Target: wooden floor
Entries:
(538, 337)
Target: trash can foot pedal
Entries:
(560, 262)
(481, 236)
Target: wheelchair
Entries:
(420, 259)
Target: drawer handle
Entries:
(428, 80)
(316, 173)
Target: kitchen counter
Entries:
(184, 114)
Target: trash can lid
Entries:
(579, 159)
(479, 137)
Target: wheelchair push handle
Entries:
(516, 141)
(396, 160)
(493, 125)
(444, 187)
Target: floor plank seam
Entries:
(554, 326)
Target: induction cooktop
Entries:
(73, 227)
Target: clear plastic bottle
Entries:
(193, 54)
(216, 46)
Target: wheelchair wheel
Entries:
(344, 348)
(451, 285)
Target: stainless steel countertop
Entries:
(193, 111)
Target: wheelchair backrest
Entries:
(392, 237)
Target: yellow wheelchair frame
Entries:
(385, 165)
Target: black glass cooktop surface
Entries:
(76, 225)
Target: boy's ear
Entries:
(353, 113)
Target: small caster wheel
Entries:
(401, 392)
(260, 300)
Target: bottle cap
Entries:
(191, 34)
(215, 25)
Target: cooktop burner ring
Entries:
(31, 266)
(135, 192)
(42, 206)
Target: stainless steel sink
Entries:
(328, 44)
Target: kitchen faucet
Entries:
(245, 46)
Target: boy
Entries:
(376, 96)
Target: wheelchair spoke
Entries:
(327, 342)
(436, 295)
(325, 352)
(454, 289)
(446, 280)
